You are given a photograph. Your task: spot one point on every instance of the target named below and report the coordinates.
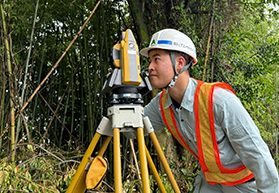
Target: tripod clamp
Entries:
(127, 118)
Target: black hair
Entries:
(185, 56)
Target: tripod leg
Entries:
(104, 146)
(164, 161)
(78, 182)
(117, 160)
(143, 161)
(155, 172)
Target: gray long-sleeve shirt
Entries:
(238, 138)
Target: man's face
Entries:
(160, 68)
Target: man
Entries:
(208, 120)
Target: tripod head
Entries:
(125, 80)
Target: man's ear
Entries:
(180, 61)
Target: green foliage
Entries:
(167, 131)
(129, 186)
(243, 52)
(40, 173)
(252, 53)
(184, 172)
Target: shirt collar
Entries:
(188, 97)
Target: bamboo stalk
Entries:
(21, 99)
(2, 104)
(39, 80)
(65, 112)
(12, 111)
(213, 52)
(89, 98)
(73, 109)
(208, 40)
(81, 129)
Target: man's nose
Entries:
(150, 67)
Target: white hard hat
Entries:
(171, 39)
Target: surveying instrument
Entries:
(125, 115)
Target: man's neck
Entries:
(177, 92)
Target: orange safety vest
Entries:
(208, 152)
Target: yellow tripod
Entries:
(127, 119)
(125, 115)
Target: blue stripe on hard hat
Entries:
(164, 42)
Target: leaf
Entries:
(30, 147)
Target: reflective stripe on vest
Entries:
(170, 122)
(208, 152)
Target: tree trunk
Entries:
(136, 8)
